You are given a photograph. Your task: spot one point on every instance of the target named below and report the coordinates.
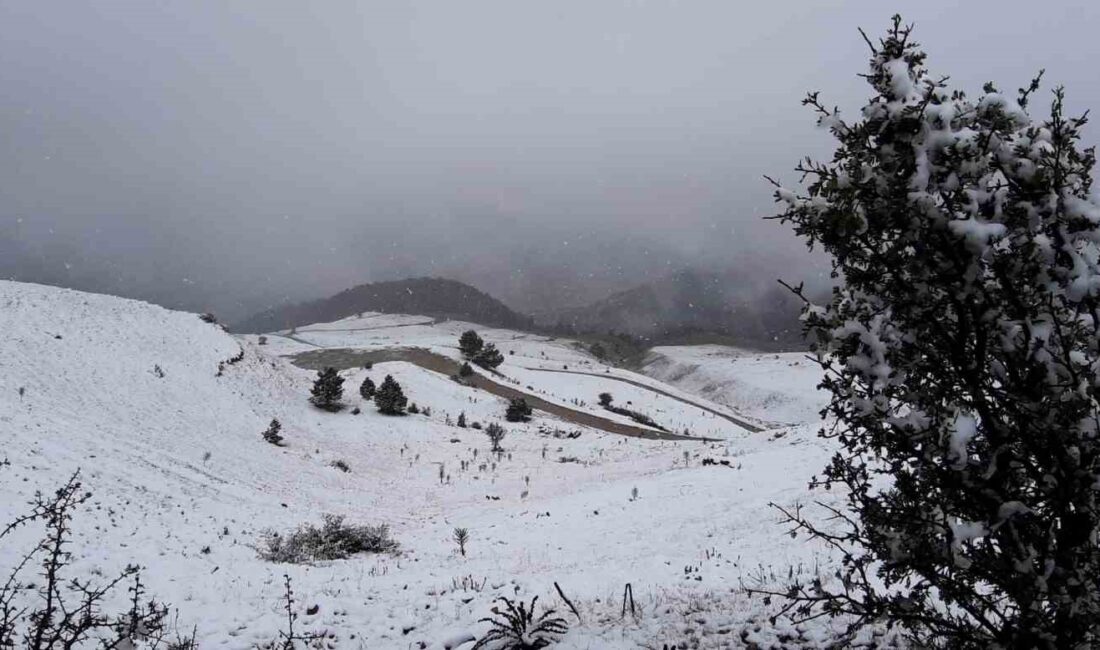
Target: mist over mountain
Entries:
(469, 326)
(446, 299)
(692, 306)
(535, 268)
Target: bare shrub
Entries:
(495, 432)
(58, 611)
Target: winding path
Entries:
(345, 358)
(741, 423)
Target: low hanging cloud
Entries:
(231, 156)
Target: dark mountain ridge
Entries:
(686, 307)
(690, 306)
(437, 297)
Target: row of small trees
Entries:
(389, 398)
(328, 391)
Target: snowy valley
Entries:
(162, 415)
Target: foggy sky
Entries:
(229, 155)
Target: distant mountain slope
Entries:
(436, 297)
(691, 306)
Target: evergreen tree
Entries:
(518, 410)
(272, 433)
(366, 389)
(605, 399)
(470, 344)
(389, 398)
(462, 420)
(327, 390)
(962, 354)
(465, 370)
(489, 357)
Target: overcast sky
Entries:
(229, 154)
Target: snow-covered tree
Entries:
(518, 410)
(489, 357)
(327, 390)
(961, 352)
(389, 398)
(273, 433)
(470, 344)
(366, 389)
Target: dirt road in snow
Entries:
(345, 358)
(729, 418)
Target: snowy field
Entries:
(183, 483)
(778, 388)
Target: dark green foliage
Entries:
(960, 352)
(272, 433)
(478, 351)
(515, 627)
(465, 370)
(327, 390)
(518, 410)
(605, 399)
(462, 420)
(413, 408)
(333, 540)
(389, 398)
(470, 344)
(366, 389)
(489, 357)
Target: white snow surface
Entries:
(176, 463)
(770, 387)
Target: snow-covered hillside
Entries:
(165, 427)
(772, 387)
